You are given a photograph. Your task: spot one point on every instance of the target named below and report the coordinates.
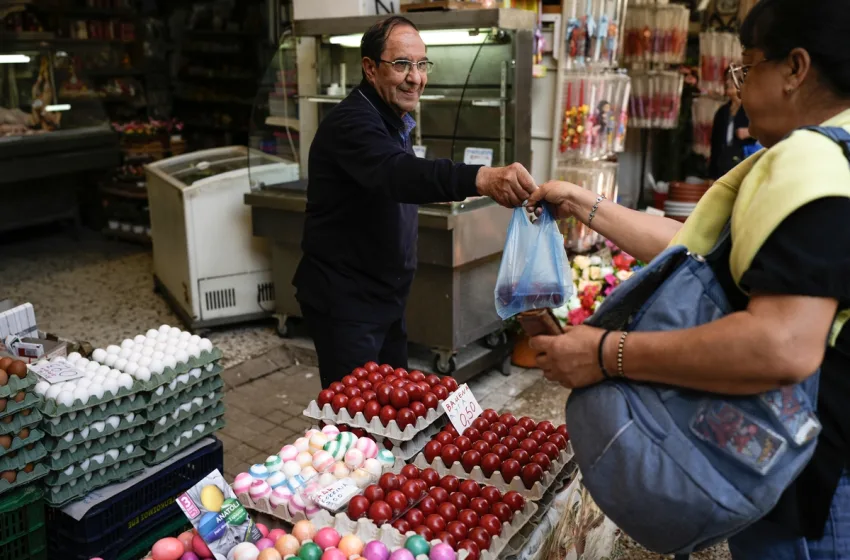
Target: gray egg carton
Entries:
(20, 459)
(90, 465)
(169, 406)
(60, 459)
(156, 457)
(58, 426)
(170, 436)
(58, 496)
(182, 382)
(165, 423)
(18, 443)
(23, 478)
(391, 431)
(31, 400)
(16, 384)
(19, 422)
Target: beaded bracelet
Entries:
(593, 210)
(620, 348)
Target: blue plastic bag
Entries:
(534, 273)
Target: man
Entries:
(361, 223)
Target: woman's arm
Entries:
(637, 233)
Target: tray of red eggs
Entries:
(503, 451)
(466, 515)
(384, 401)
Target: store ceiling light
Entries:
(57, 108)
(431, 38)
(14, 59)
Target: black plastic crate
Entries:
(128, 515)
(22, 533)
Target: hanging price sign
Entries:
(57, 372)
(462, 408)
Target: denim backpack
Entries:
(681, 470)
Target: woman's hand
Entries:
(559, 195)
(571, 359)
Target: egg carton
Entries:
(169, 374)
(16, 384)
(31, 400)
(186, 410)
(59, 496)
(406, 450)
(367, 531)
(54, 409)
(93, 432)
(171, 435)
(89, 465)
(18, 422)
(128, 435)
(18, 460)
(165, 408)
(60, 459)
(23, 478)
(18, 443)
(375, 427)
(534, 493)
(183, 382)
(169, 450)
(58, 426)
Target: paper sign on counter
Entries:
(462, 408)
(478, 156)
(337, 495)
(57, 372)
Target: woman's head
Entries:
(796, 69)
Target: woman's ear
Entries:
(800, 65)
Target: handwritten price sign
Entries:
(57, 372)
(336, 495)
(462, 408)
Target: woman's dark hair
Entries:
(375, 39)
(822, 27)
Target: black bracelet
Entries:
(600, 352)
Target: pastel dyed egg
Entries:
(326, 537)
(373, 467)
(340, 470)
(302, 444)
(280, 496)
(336, 449)
(242, 483)
(386, 457)
(288, 453)
(303, 530)
(330, 430)
(350, 545)
(167, 549)
(304, 459)
(318, 441)
(354, 458)
(322, 461)
(333, 554)
(368, 447)
(287, 545)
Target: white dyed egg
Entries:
(304, 458)
(182, 357)
(291, 469)
(42, 387)
(149, 343)
(143, 374)
(110, 386)
(139, 339)
(170, 362)
(246, 550)
(127, 343)
(125, 353)
(131, 368)
(98, 426)
(147, 352)
(99, 355)
(120, 364)
(135, 357)
(157, 356)
(112, 454)
(96, 390)
(82, 364)
(113, 421)
(102, 370)
(145, 362)
(92, 366)
(156, 367)
(53, 391)
(66, 398)
(373, 467)
(194, 351)
(152, 333)
(326, 479)
(174, 332)
(125, 381)
(361, 478)
(111, 359)
(163, 329)
(74, 356)
(185, 335)
(206, 344)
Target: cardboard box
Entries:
(317, 9)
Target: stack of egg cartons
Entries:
(181, 387)
(21, 442)
(93, 426)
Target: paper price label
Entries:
(478, 156)
(462, 408)
(420, 151)
(335, 496)
(57, 372)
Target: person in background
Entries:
(361, 220)
(787, 274)
(731, 142)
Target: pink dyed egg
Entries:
(189, 556)
(333, 554)
(263, 530)
(275, 534)
(167, 549)
(264, 543)
(326, 538)
(186, 539)
(200, 547)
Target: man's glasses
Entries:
(403, 66)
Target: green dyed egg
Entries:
(386, 457)
(346, 440)
(336, 450)
(417, 545)
(310, 551)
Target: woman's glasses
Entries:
(738, 73)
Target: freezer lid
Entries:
(197, 166)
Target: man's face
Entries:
(400, 90)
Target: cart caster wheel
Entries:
(445, 366)
(282, 327)
(496, 339)
(507, 367)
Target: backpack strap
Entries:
(835, 133)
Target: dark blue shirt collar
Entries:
(404, 125)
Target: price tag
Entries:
(478, 156)
(462, 408)
(335, 496)
(57, 372)
(420, 151)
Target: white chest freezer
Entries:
(207, 262)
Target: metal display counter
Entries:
(451, 300)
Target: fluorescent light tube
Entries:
(14, 59)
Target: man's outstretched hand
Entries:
(509, 186)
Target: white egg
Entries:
(156, 367)
(96, 390)
(125, 353)
(145, 362)
(170, 350)
(131, 398)
(209, 367)
(157, 356)
(164, 448)
(125, 381)
(99, 379)
(92, 366)
(137, 348)
(131, 368)
(129, 449)
(100, 440)
(102, 370)
(84, 433)
(111, 359)
(147, 352)
(195, 339)
(57, 359)
(114, 373)
(98, 458)
(182, 345)
(111, 386)
(162, 421)
(160, 347)
(150, 342)
(42, 387)
(81, 394)
(172, 385)
(182, 357)
(130, 417)
(87, 476)
(84, 382)
(206, 344)
(66, 398)
(69, 386)
(183, 378)
(159, 391)
(127, 343)
(152, 333)
(55, 421)
(69, 436)
(69, 471)
(98, 426)
(56, 456)
(170, 362)
(74, 356)
(143, 374)
(139, 339)
(82, 364)
(113, 421)
(87, 411)
(163, 329)
(174, 332)
(197, 401)
(194, 351)
(112, 454)
(99, 355)
(102, 407)
(73, 416)
(196, 373)
(135, 357)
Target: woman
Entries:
(792, 217)
(730, 135)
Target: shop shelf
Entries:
(120, 521)
(22, 533)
